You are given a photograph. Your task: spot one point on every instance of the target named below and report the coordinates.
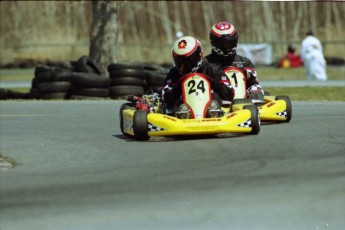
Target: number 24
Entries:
(192, 84)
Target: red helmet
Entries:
(188, 55)
(224, 38)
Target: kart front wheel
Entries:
(124, 107)
(255, 119)
(288, 106)
(140, 125)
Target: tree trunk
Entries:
(167, 25)
(104, 33)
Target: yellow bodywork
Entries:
(232, 122)
(165, 125)
(272, 110)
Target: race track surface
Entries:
(75, 170)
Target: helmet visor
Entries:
(226, 45)
(187, 64)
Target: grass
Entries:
(272, 73)
(17, 75)
(20, 90)
(309, 93)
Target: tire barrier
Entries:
(87, 65)
(6, 94)
(89, 85)
(51, 82)
(84, 79)
(135, 78)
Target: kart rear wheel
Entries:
(255, 119)
(140, 125)
(288, 106)
(124, 107)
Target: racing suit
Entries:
(314, 61)
(220, 83)
(244, 64)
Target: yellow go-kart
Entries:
(144, 117)
(271, 108)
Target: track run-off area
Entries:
(75, 170)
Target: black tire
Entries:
(87, 64)
(121, 90)
(124, 65)
(150, 67)
(80, 97)
(154, 78)
(34, 93)
(34, 83)
(42, 69)
(123, 107)
(45, 76)
(288, 106)
(90, 80)
(255, 119)
(127, 80)
(140, 125)
(53, 95)
(54, 86)
(141, 74)
(52, 75)
(62, 75)
(10, 94)
(91, 92)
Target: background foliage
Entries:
(60, 30)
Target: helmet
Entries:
(291, 47)
(224, 38)
(188, 55)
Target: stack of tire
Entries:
(88, 80)
(51, 82)
(82, 79)
(155, 76)
(134, 79)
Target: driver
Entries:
(188, 57)
(223, 38)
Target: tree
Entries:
(104, 33)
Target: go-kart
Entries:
(144, 117)
(271, 108)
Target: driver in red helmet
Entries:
(187, 54)
(223, 38)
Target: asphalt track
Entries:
(75, 170)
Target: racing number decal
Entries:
(234, 77)
(192, 84)
(237, 80)
(196, 93)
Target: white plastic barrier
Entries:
(257, 53)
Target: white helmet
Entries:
(188, 55)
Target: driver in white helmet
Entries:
(223, 38)
(188, 57)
